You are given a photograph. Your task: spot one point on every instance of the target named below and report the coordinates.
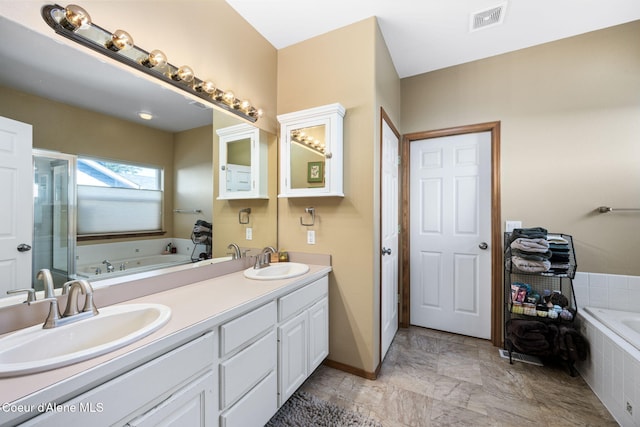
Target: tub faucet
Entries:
(109, 266)
(236, 250)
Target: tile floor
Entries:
(432, 378)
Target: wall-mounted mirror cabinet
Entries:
(243, 163)
(311, 152)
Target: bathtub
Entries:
(612, 368)
(128, 266)
(626, 324)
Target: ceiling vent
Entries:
(488, 18)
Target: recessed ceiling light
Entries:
(144, 115)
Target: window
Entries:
(118, 198)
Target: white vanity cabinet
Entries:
(176, 389)
(243, 163)
(303, 335)
(248, 362)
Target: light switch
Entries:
(249, 233)
(511, 225)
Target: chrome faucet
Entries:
(71, 313)
(262, 260)
(109, 266)
(236, 251)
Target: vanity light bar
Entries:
(309, 142)
(74, 23)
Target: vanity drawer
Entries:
(298, 300)
(256, 407)
(244, 370)
(236, 333)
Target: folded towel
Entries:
(524, 327)
(532, 256)
(529, 233)
(530, 266)
(556, 238)
(530, 245)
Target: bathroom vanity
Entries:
(233, 352)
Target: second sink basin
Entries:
(35, 349)
(281, 270)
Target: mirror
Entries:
(307, 149)
(243, 163)
(311, 152)
(81, 105)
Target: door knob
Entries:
(386, 251)
(483, 245)
(23, 247)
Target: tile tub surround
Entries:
(432, 378)
(612, 291)
(612, 370)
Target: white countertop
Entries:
(195, 309)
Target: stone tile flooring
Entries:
(432, 378)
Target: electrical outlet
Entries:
(249, 233)
(629, 408)
(511, 225)
(311, 237)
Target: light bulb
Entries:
(120, 40)
(184, 74)
(228, 97)
(75, 18)
(206, 86)
(156, 58)
(245, 105)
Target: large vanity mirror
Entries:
(85, 107)
(311, 152)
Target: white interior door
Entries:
(389, 237)
(16, 215)
(450, 259)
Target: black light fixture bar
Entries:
(100, 40)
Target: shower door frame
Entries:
(71, 205)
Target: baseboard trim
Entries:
(352, 370)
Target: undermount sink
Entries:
(281, 270)
(35, 349)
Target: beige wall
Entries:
(570, 124)
(341, 66)
(192, 161)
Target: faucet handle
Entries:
(31, 294)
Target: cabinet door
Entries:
(318, 333)
(294, 355)
(187, 407)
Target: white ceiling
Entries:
(427, 35)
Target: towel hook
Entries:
(311, 211)
(246, 211)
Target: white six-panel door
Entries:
(16, 215)
(450, 217)
(389, 238)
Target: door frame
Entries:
(384, 118)
(496, 220)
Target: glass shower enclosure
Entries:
(54, 216)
